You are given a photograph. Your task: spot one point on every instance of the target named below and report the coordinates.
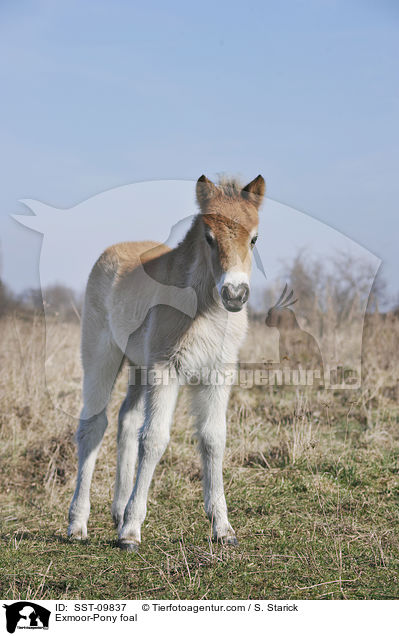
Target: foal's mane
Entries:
(230, 186)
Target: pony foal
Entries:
(178, 311)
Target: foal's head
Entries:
(229, 215)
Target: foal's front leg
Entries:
(154, 438)
(209, 404)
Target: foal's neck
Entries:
(191, 259)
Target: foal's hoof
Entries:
(77, 531)
(128, 546)
(230, 539)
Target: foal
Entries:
(178, 311)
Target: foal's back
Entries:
(111, 310)
(120, 261)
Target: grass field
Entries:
(311, 484)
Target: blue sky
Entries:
(100, 94)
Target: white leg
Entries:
(99, 377)
(89, 436)
(131, 418)
(154, 437)
(209, 404)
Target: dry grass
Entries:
(311, 483)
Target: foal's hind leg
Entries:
(131, 418)
(209, 404)
(88, 437)
(100, 372)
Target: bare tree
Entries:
(339, 287)
(6, 297)
(62, 301)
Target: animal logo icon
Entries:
(26, 615)
(297, 348)
(164, 210)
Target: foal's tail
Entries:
(102, 359)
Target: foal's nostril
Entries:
(243, 292)
(225, 294)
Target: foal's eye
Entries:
(210, 239)
(253, 240)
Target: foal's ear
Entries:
(205, 190)
(255, 190)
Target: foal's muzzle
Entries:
(234, 297)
